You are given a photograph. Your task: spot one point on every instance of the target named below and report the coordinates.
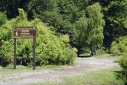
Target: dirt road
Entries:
(82, 65)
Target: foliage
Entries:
(88, 30)
(123, 73)
(116, 19)
(80, 32)
(119, 48)
(50, 49)
(3, 18)
(11, 7)
(95, 24)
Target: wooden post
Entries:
(14, 53)
(34, 53)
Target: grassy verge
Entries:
(104, 77)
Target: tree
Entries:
(116, 21)
(3, 18)
(80, 34)
(11, 7)
(95, 25)
(102, 2)
(88, 30)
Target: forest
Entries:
(65, 29)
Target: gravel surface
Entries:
(82, 65)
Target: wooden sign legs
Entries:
(34, 53)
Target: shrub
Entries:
(50, 49)
(119, 48)
(123, 73)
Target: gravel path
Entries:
(82, 65)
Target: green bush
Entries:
(119, 47)
(123, 64)
(50, 49)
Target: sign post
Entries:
(24, 32)
(34, 53)
(14, 53)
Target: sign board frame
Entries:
(24, 32)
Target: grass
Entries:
(104, 77)
(8, 73)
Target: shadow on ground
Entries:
(84, 56)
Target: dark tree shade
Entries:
(11, 7)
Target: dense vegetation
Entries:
(63, 24)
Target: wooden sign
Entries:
(24, 32)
